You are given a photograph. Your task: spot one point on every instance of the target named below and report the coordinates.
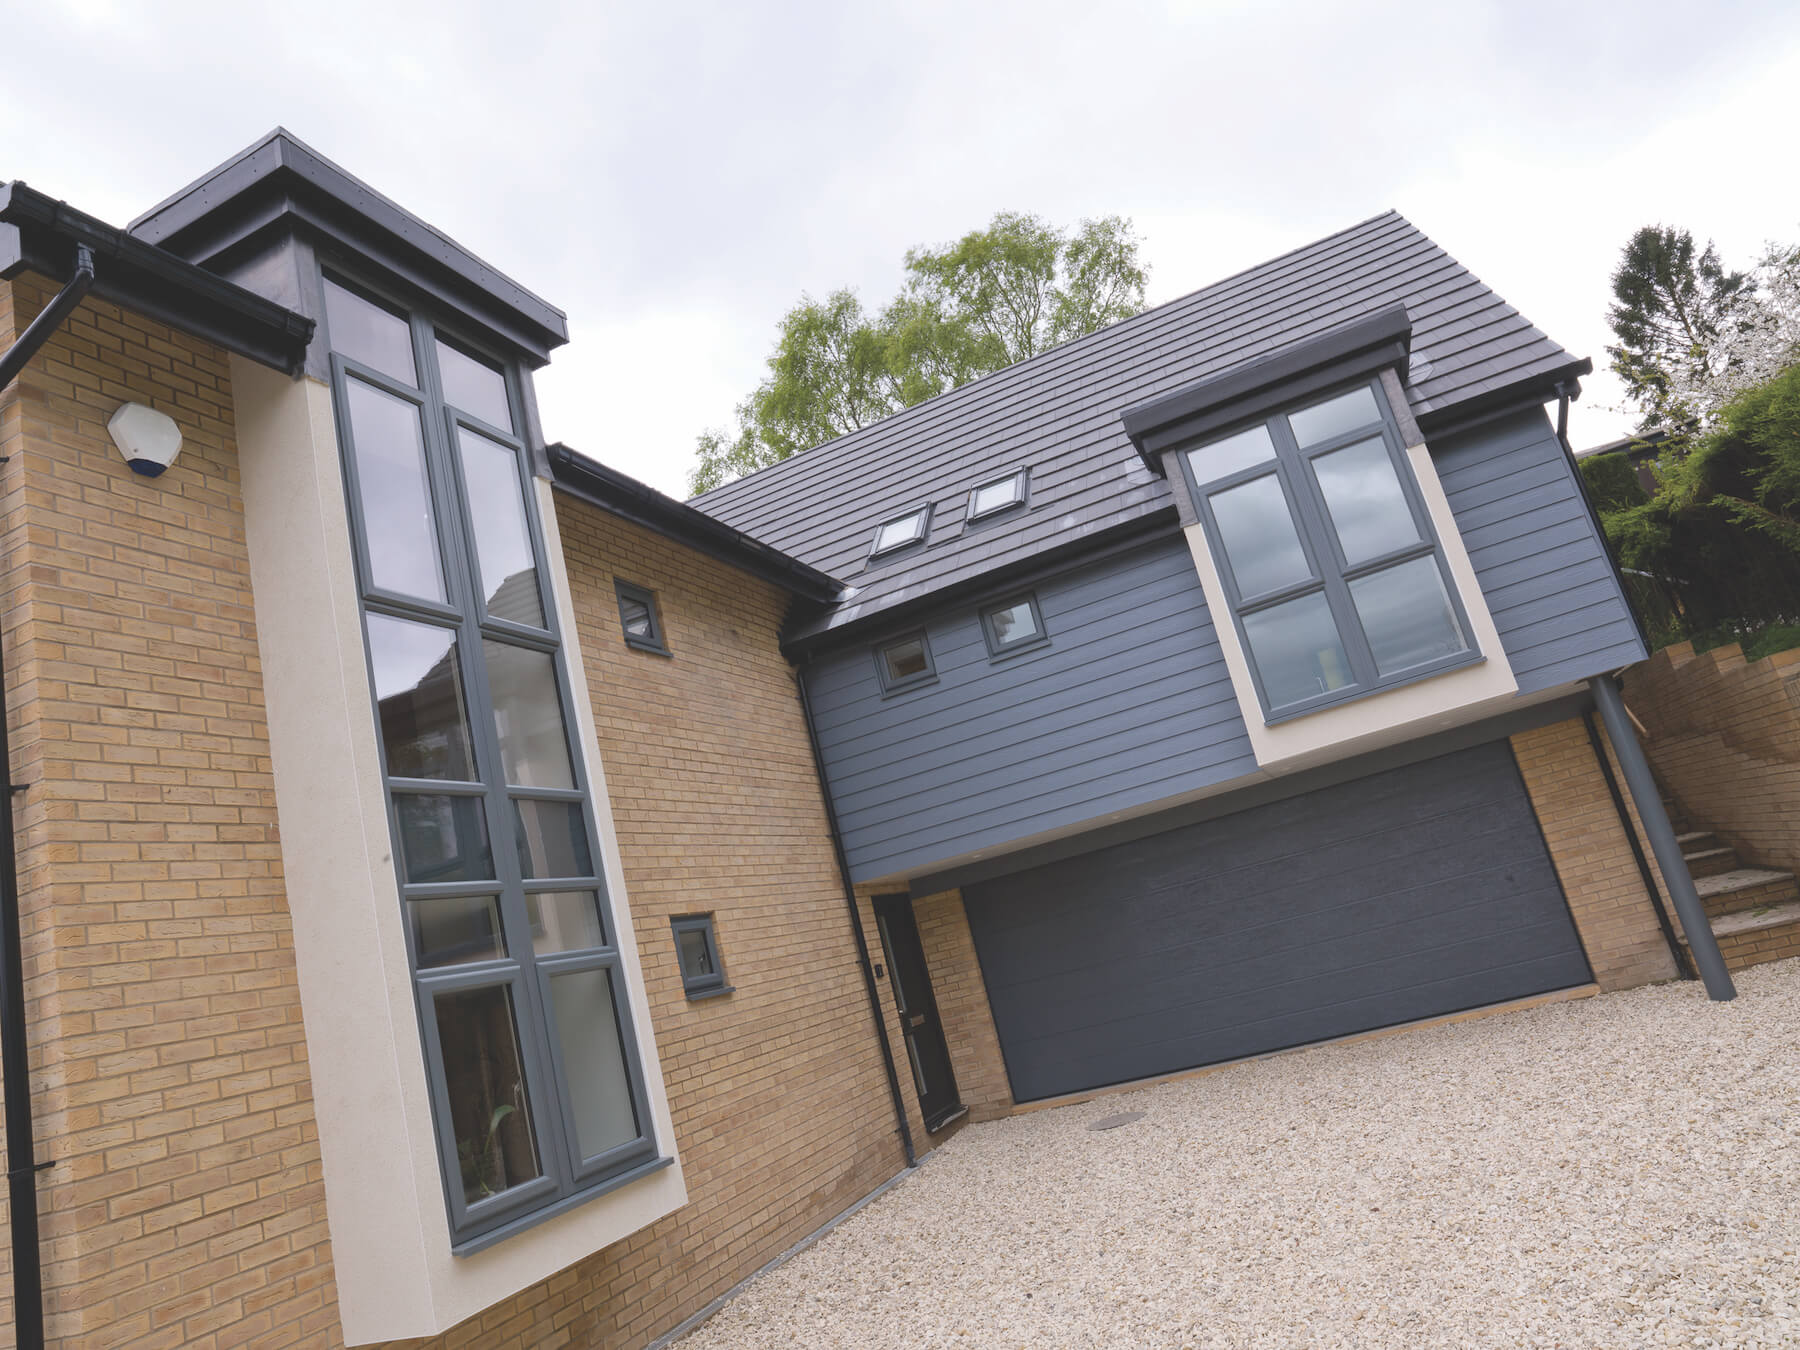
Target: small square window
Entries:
(901, 531)
(1014, 625)
(905, 663)
(997, 495)
(639, 619)
(697, 953)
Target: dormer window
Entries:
(997, 495)
(1327, 557)
(901, 531)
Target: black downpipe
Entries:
(15, 1053)
(1683, 962)
(856, 927)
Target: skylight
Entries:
(997, 494)
(901, 531)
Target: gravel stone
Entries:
(1617, 1171)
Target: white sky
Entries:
(674, 175)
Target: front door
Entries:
(925, 1048)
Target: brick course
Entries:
(1625, 943)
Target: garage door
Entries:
(1410, 893)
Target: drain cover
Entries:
(1113, 1122)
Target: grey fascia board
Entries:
(213, 213)
(642, 504)
(1529, 391)
(41, 233)
(801, 642)
(1383, 338)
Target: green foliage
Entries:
(995, 296)
(1714, 552)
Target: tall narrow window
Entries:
(537, 1093)
(1336, 581)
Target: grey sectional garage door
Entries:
(1407, 894)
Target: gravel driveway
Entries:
(1619, 1171)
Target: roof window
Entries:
(997, 495)
(901, 531)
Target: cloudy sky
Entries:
(675, 175)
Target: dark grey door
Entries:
(1410, 893)
(925, 1048)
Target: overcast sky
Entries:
(675, 175)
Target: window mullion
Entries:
(1317, 536)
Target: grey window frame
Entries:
(923, 512)
(566, 1179)
(643, 595)
(1001, 651)
(891, 687)
(698, 987)
(1330, 574)
(1020, 476)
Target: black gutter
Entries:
(856, 926)
(40, 234)
(1683, 962)
(625, 496)
(22, 1166)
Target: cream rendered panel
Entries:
(396, 1276)
(1393, 715)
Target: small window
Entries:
(905, 663)
(697, 952)
(997, 494)
(1013, 626)
(638, 617)
(901, 531)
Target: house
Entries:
(467, 897)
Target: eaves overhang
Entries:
(41, 234)
(625, 496)
(1361, 347)
(281, 186)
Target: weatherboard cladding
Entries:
(1129, 703)
(1058, 413)
(1544, 571)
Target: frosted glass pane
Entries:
(587, 1029)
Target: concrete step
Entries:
(1712, 862)
(1696, 840)
(1745, 888)
(1749, 937)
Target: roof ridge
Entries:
(1069, 347)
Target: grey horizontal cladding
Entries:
(1543, 568)
(1129, 703)
(1058, 414)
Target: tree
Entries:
(1693, 336)
(996, 296)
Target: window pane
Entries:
(509, 581)
(1258, 536)
(1297, 649)
(599, 1093)
(443, 838)
(1368, 507)
(905, 659)
(398, 522)
(696, 953)
(456, 929)
(419, 697)
(476, 388)
(1013, 624)
(534, 750)
(564, 921)
(635, 615)
(368, 333)
(1335, 416)
(1407, 616)
(489, 1113)
(898, 532)
(552, 839)
(1242, 451)
(993, 496)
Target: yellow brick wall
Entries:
(1724, 737)
(1618, 926)
(780, 1106)
(171, 1086)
